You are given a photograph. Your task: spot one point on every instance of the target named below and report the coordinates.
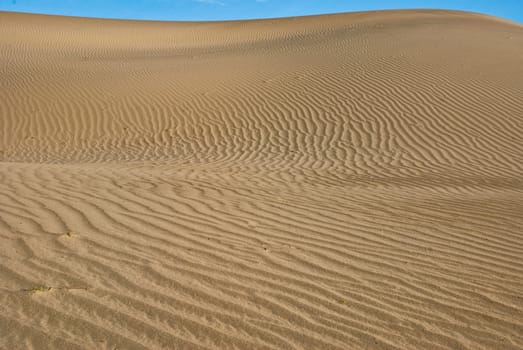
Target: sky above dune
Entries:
(246, 9)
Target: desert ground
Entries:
(350, 181)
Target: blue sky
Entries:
(244, 9)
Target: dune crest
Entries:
(350, 181)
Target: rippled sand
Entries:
(350, 181)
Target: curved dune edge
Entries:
(351, 181)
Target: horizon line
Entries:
(265, 18)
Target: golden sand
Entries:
(350, 181)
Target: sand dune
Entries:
(350, 181)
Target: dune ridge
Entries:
(350, 181)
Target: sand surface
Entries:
(351, 181)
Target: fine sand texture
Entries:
(350, 181)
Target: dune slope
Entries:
(350, 181)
